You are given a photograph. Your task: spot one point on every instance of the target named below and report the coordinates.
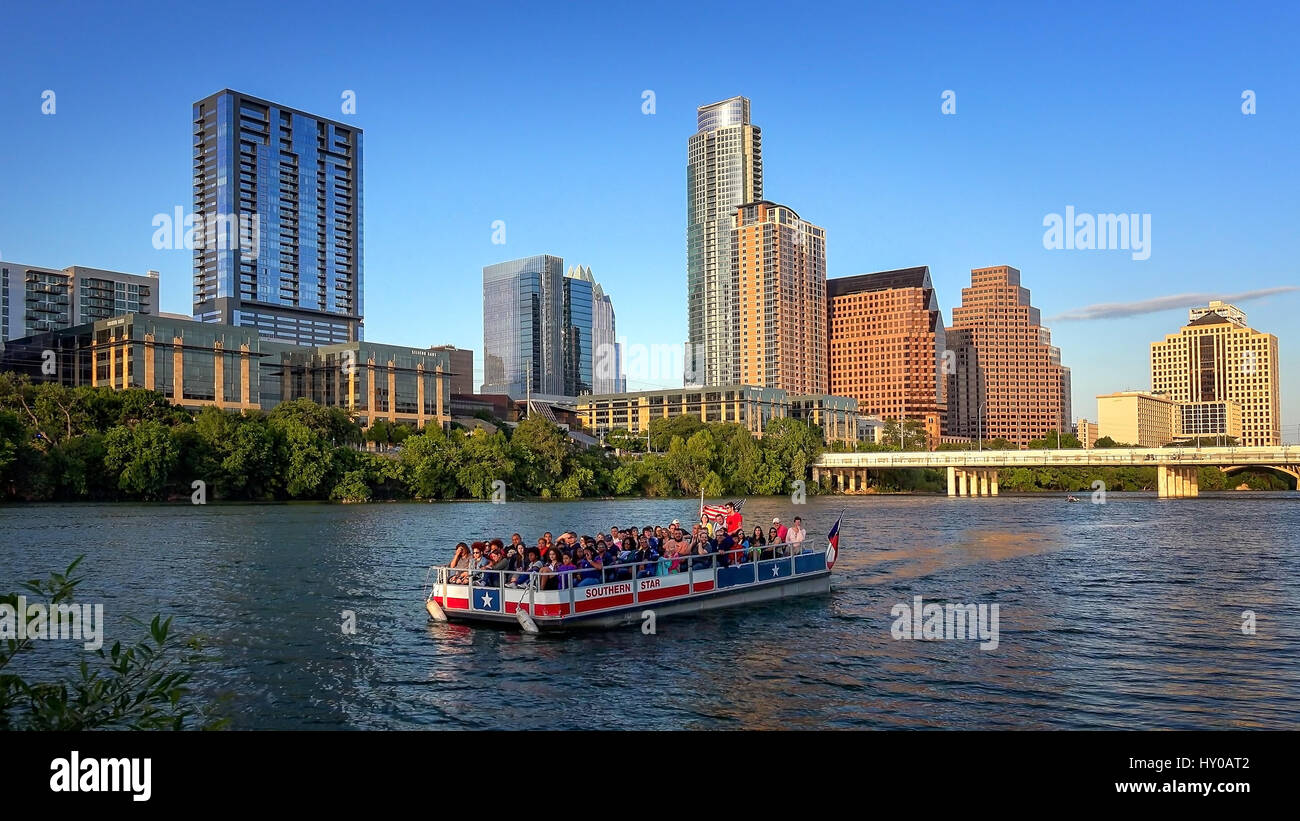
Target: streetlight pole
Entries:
(979, 424)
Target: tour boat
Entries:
(628, 591)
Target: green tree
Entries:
(250, 467)
(431, 461)
(332, 424)
(143, 458)
(691, 460)
(538, 449)
(306, 458)
(486, 461)
(662, 430)
(1055, 440)
(353, 487)
(1107, 442)
(623, 440)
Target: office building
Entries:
(1138, 418)
(747, 405)
(461, 362)
(278, 220)
(1007, 380)
(522, 333)
(1218, 357)
(887, 344)
(196, 364)
(576, 324)
(1220, 419)
(778, 263)
(606, 350)
(35, 299)
(545, 331)
(724, 170)
(837, 416)
(1087, 433)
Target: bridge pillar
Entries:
(817, 477)
(963, 483)
(984, 483)
(952, 481)
(1192, 488)
(994, 482)
(1162, 482)
(853, 480)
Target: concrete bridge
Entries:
(975, 472)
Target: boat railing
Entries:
(571, 581)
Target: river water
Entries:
(1126, 614)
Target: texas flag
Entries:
(833, 549)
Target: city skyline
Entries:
(1238, 241)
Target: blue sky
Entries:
(532, 114)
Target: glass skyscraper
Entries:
(547, 331)
(522, 319)
(724, 169)
(607, 351)
(277, 210)
(576, 332)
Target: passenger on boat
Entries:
(565, 569)
(796, 535)
(590, 568)
(735, 522)
(527, 564)
(676, 543)
(546, 573)
(668, 562)
(728, 550)
(757, 544)
(459, 560)
(703, 551)
(609, 559)
(498, 563)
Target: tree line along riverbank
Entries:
(99, 444)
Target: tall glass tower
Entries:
(577, 332)
(277, 211)
(522, 326)
(724, 169)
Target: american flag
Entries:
(716, 513)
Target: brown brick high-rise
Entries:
(1007, 380)
(778, 262)
(886, 345)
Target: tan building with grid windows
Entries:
(1138, 418)
(745, 405)
(1215, 357)
(1007, 380)
(779, 263)
(886, 346)
(1202, 419)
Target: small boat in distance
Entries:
(700, 583)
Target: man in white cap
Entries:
(781, 531)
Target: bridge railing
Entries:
(1096, 457)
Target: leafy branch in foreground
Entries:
(143, 686)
